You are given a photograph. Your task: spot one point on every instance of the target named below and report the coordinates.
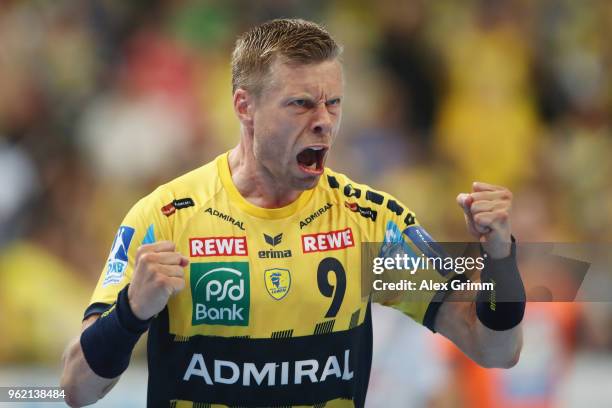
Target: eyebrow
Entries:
(311, 98)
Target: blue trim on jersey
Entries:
(427, 245)
(394, 243)
(149, 237)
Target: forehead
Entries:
(317, 78)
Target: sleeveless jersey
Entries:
(273, 312)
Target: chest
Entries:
(268, 277)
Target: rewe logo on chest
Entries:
(218, 246)
(328, 241)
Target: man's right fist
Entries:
(158, 274)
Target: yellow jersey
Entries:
(274, 312)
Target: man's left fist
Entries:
(487, 214)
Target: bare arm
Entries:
(82, 385)
(158, 274)
(487, 213)
(457, 321)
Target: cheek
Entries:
(336, 126)
(270, 144)
(287, 126)
(270, 126)
(279, 134)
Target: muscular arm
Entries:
(82, 385)
(487, 214)
(457, 321)
(158, 274)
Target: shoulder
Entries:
(363, 199)
(190, 189)
(171, 205)
(203, 182)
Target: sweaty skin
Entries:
(487, 214)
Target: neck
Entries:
(255, 183)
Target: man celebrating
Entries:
(247, 271)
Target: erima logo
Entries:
(314, 215)
(220, 293)
(118, 258)
(274, 254)
(274, 241)
(271, 373)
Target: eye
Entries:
(300, 102)
(333, 102)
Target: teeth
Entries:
(317, 148)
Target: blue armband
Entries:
(108, 343)
(503, 307)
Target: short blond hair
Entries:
(296, 40)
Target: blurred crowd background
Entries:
(103, 100)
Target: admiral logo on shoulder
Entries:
(315, 214)
(118, 258)
(225, 217)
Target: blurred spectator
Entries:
(549, 332)
(41, 303)
(487, 124)
(19, 183)
(406, 367)
(414, 68)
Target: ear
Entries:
(243, 106)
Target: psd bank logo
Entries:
(220, 293)
(118, 258)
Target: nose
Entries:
(322, 120)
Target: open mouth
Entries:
(311, 159)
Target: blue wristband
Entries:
(503, 307)
(108, 343)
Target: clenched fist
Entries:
(158, 274)
(487, 214)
